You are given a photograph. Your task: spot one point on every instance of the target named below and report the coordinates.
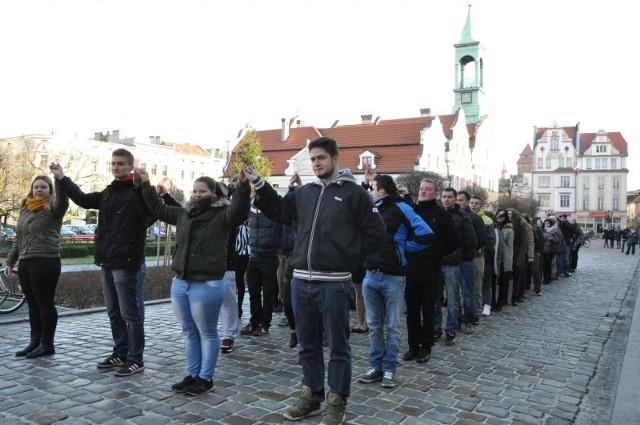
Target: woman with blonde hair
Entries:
(37, 248)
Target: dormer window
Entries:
(367, 160)
(601, 148)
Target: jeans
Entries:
(468, 295)
(487, 280)
(229, 319)
(120, 289)
(197, 306)
(478, 281)
(323, 306)
(262, 281)
(140, 288)
(631, 247)
(382, 295)
(451, 275)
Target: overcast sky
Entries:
(199, 71)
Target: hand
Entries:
(402, 190)
(295, 180)
(8, 272)
(248, 173)
(161, 190)
(57, 170)
(141, 174)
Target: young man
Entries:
(337, 227)
(119, 251)
(490, 249)
(424, 273)
(383, 284)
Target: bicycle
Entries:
(11, 296)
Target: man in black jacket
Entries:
(119, 251)
(337, 228)
(424, 273)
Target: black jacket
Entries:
(265, 236)
(337, 226)
(122, 225)
(468, 240)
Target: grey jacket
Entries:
(38, 233)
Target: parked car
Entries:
(82, 230)
(155, 231)
(67, 233)
(8, 234)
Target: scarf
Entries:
(35, 205)
(198, 206)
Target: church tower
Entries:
(469, 69)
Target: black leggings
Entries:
(240, 267)
(39, 279)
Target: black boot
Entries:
(42, 350)
(32, 346)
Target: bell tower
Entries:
(469, 79)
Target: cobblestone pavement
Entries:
(554, 359)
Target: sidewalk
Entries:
(551, 360)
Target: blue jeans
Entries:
(317, 307)
(382, 295)
(229, 318)
(140, 275)
(197, 305)
(120, 289)
(451, 275)
(468, 294)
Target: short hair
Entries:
(450, 189)
(325, 143)
(465, 194)
(385, 181)
(211, 183)
(125, 153)
(478, 198)
(431, 182)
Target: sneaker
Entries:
(112, 361)
(335, 412)
(293, 339)
(226, 346)
(388, 381)
(486, 310)
(451, 339)
(437, 336)
(410, 355)
(469, 328)
(538, 293)
(371, 375)
(307, 405)
(284, 321)
(129, 368)
(199, 386)
(180, 386)
(249, 329)
(261, 331)
(423, 355)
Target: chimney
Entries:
(298, 122)
(425, 112)
(284, 135)
(366, 119)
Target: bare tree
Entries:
(412, 181)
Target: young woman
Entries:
(200, 262)
(37, 248)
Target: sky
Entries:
(198, 71)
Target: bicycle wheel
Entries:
(586, 243)
(11, 296)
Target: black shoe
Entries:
(261, 331)
(520, 300)
(112, 361)
(200, 386)
(248, 329)
(514, 304)
(226, 346)
(130, 367)
(410, 355)
(423, 355)
(42, 350)
(497, 308)
(293, 339)
(32, 346)
(180, 386)
(278, 308)
(437, 336)
(450, 339)
(476, 321)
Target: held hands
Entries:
(295, 180)
(248, 173)
(402, 190)
(57, 170)
(7, 271)
(161, 190)
(141, 174)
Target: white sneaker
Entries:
(486, 310)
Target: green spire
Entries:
(466, 31)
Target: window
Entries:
(600, 182)
(367, 162)
(565, 181)
(555, 143)
(616, 202)
(614, 163)
(164, 170)
(600, 205)
(564, 200)
(94, 166)
(598, 163)
(585, 200)
(601, 148)
(154, 169)
(561, 162)
(539, 163)
(585, 182)
(588, 163)
(544, 199)
(616, 183)
(108, 166)
(548, 164)
(544, 181)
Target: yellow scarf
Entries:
(35, 205)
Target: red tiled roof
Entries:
(571, 132)
(187, 148)
(617, 140)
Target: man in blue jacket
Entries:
(337, 228)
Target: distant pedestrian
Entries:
(37, 248)
(632, 241)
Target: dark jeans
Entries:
(503, 282)
(262, 281)
(519, 277)
(631, 247)
(574, 258)
(286, 297)
(39, 279)
(240, 267)
(120, 289)
(422, 284)
(547, 261)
